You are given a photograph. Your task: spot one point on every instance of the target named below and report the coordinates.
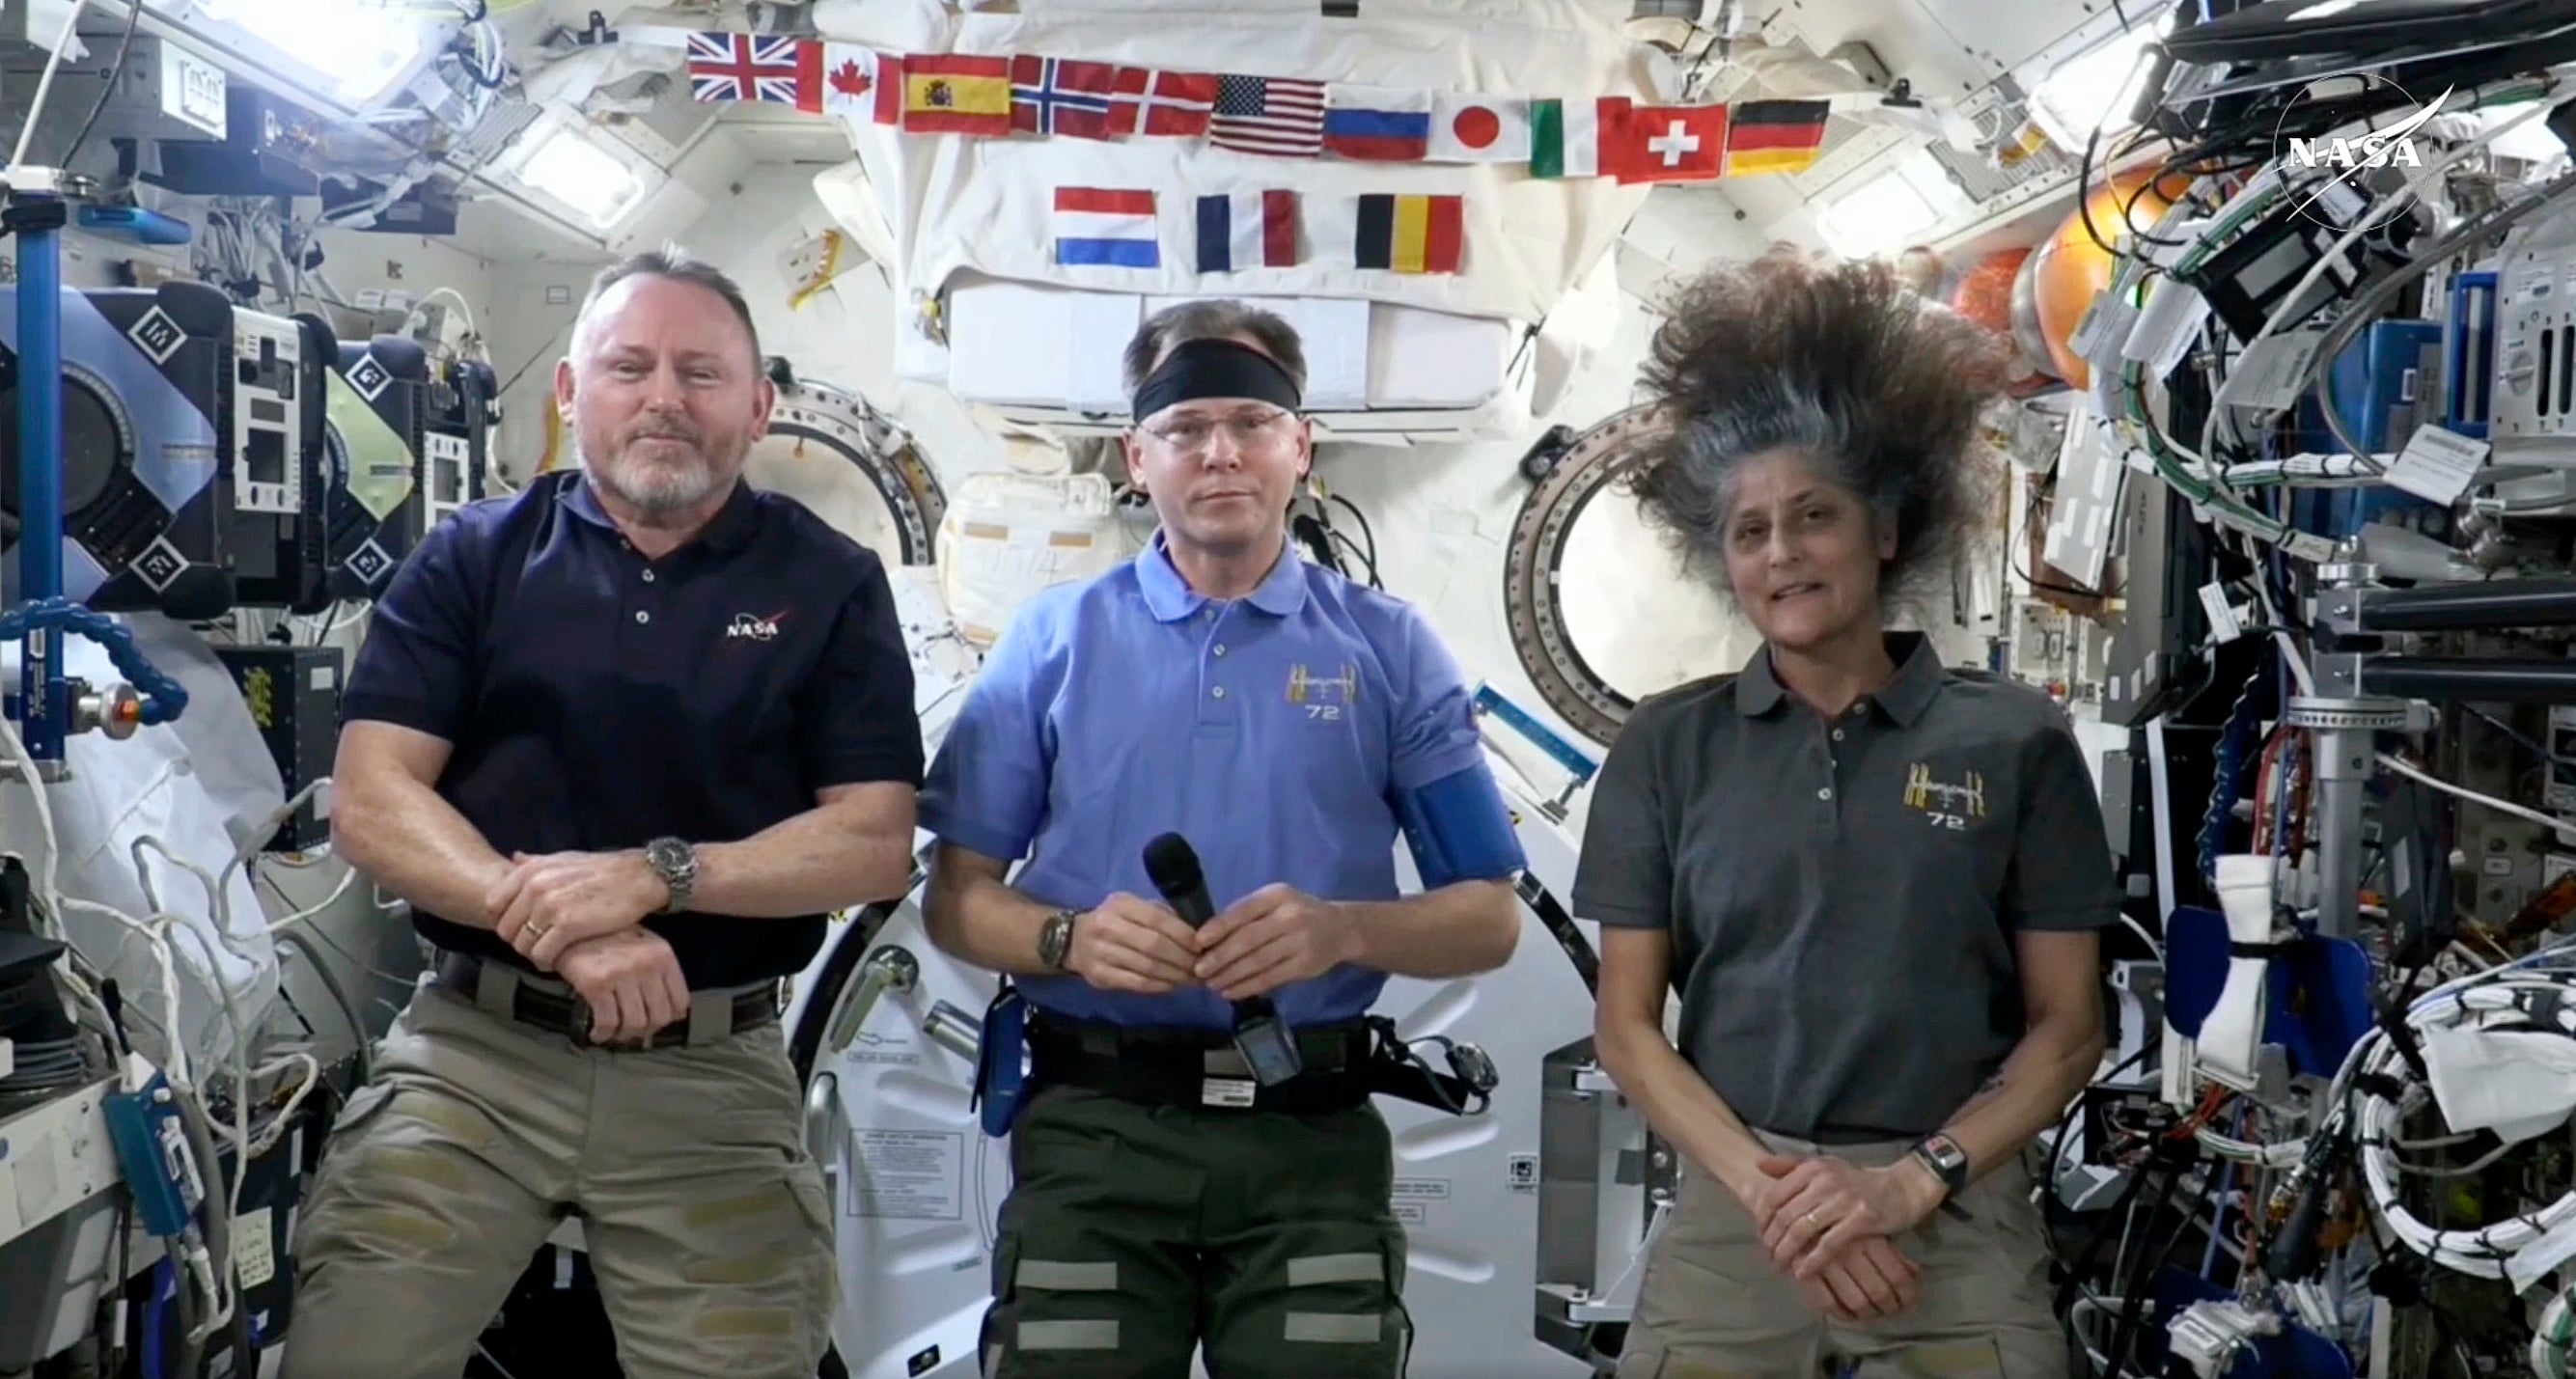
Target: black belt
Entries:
(1345, 1064)
(549, 1005)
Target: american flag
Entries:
(1281, 116)
(745, 67)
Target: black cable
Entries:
(125, 45)
(1365, 531)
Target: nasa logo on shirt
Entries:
(751, 627)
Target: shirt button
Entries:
(1220, 691)
(642, 616)
(1220, 648)
(1825, 794)
(648, 576)
(1838, 734)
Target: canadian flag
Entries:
(1479, 129)
(1170, 104)
(862, 84)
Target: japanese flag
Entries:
(1479, 129)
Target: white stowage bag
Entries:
(1007, 535)
(149, 786)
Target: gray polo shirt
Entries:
(1842, 895)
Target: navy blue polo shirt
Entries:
(597, 700)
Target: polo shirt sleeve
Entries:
(2061, 873)
(1434, 734)
(857, 719)
(1624, 877)
(988, 786)
(417, 666)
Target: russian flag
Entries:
(1098, 227)
(1247, 230)
(1377, 123)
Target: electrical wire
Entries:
(45, 83)
(107, 92)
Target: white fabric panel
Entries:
(983, 206)
(144, 786)
(1030, 345)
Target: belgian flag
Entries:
(1411, 234)
(1774, 136)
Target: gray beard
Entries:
(654, 490)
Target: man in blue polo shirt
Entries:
(621, 741)
(1286, 723)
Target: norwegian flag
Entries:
(755, 67)
(1053, 96)
(1279, 116)
(1161, 104)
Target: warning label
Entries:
(1421, 1190)
(907, 1175)
(1412, 1213)
(1521, 1170)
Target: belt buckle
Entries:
(579, 1022)
(786, 996)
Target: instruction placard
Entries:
(908, 1175)
(2437, 465)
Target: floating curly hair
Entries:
(1878, 388)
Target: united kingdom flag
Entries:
(752, 67)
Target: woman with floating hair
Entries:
(1874, 880)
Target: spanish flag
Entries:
(1411, 234)
(957, 93)
(1774, 136)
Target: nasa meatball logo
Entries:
(750, 627)
(2356, 168)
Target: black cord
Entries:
(1366, 532)
(125, 45)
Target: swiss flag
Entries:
(1170, 104)
(1667, 143)
(861, 83)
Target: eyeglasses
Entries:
(1247, 430)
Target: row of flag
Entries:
(989, 96)
(1120, 227)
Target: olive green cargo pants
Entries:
(1134, 1233)
(705, 1218)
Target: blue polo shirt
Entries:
(1274, 731)
(597, 700)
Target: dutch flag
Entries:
(1101, 227)
(1247, 230)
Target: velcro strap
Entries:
(2239, 949)
(1195, 1068)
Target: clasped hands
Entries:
(1829, 1225)
(577, 915)
(1272, 937)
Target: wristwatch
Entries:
(676, 863)
(1055, 939)
(1949, 1163)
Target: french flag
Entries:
(1101, 227)
(1247, 230)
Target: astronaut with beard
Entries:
(622, 740)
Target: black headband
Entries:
(1215, 368)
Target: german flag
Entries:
(1411, 234)
(1774, 136)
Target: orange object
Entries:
(2071, 269)
(1984, 292)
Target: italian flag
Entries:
(1566, 137)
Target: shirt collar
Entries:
(724, 533)
(1170, 597)
(1903, 699)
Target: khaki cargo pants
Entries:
(1133, 1234)
(1711, 1306)
(705, 1219)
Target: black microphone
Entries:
(1269, 1049)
